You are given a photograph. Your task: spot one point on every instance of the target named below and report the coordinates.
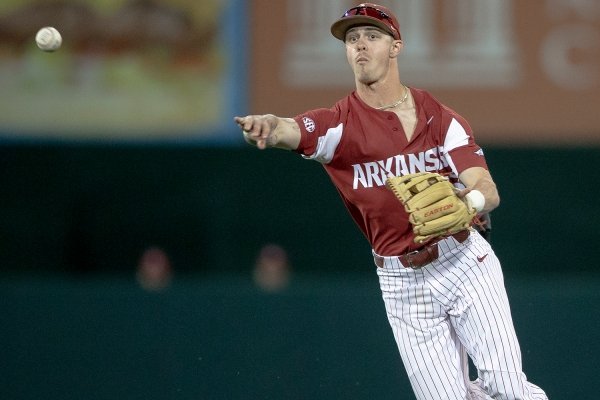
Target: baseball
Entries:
(48, 39)
(475, 200)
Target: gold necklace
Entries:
(402, 100)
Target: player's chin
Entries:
(363, 76)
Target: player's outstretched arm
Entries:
(270, 131)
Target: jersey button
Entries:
(390, 117)
(395, 129)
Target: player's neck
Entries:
(383, 95)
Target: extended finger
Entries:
(240, 121)
(246, 123)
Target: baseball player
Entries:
(442, 287)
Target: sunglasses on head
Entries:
(370, 12)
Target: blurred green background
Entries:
(76, 323)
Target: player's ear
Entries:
(396, 48)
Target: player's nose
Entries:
(361, 45)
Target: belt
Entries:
(423, 256)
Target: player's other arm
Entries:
(270, 131)
(478, 178)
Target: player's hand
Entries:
(432, 204)
(461, 193)
(257, 129)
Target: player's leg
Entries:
(481, 315)
(430, 349)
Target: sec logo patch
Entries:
(309, 124)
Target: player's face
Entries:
(368, 52)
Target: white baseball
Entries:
(48, 39)
(475, 200)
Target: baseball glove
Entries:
(432, 204)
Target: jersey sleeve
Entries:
(321, 132)
(460, 148)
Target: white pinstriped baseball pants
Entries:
(455, 306)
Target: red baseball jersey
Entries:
(359, 146)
